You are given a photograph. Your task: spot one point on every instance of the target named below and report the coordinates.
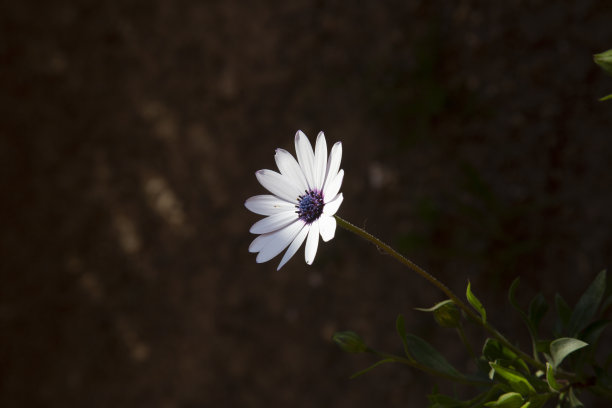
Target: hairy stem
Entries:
(420, 271)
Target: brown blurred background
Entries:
(130, 132)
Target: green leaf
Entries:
(508, 400)
(537, 310)
(426, 355)
(586, 308)
(526, 319)
(386, 360)
(512, 290)
(604, 60)
(444, 401)
(435, 307)
(543, 346)
(563, 347)
(437, 400)
(537, 401)
(514, 303)
(494, 351)
(605, 98)
(592, 332)
(476, 303)
(445, 313)
(400, 327)
(350, 342)
(563, 314)
(574, 402)
(550, 378)
(516, 380)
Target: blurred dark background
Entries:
(129, 137)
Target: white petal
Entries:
(278, 241)
(278, 185)
(331, 189)
(295, 245)
(327, 227)
(312, 242)
(320, 161)
(305, 155)
(333, 164)
(268, 205)
(332, 207)
(289, 167)
(259, 242)
(274, 222)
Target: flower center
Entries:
(310, 206)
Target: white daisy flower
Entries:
(305, 197)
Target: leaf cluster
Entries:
(561, 365)
(604, 60)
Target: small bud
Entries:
(350, 342)
(604, 60)
(445, 313)
(448, 315)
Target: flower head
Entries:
(305, 196)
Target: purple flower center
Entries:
(310, 206)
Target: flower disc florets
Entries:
(310, 206)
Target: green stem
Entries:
(466, 343)
(420, 271)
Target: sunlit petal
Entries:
(327, 227)
(320, 162)
(331, 189)
(305, 155)
(290, 168)
(268, 205)
(331, 208)
(312, 242)
(295, 245)
(333, 163)
(279, 185)
(278, 241)
(273, 222)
